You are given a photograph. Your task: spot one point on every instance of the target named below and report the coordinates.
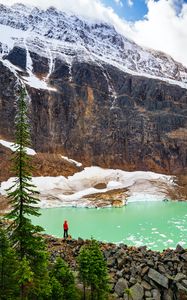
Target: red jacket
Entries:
(65, 225)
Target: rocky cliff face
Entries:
(93, 110)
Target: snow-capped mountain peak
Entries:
(54, 35)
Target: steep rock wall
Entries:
(102, 116)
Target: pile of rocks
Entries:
(144, 274)
(148, 274)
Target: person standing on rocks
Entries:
(65, 226)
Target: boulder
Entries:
(146, 285)
(179, 277)
(184, 283)
(120, 286)
(179, 248)
(137, 292)
(156, 294)
(158, 278)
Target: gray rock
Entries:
(138, 269)
(179, 248)
(107, 253)
(179, 277)
(133, 271)
(168, 295)
(132, 280)
(121, 252)
(121, 262)
(148, 294)
(184, 256)
(170, 264)
(120, 286)
(184, 283)
(137, 292)
(161, 269)
(146, 285)
(144, 270)
(181, 287)
(156, 294)
(119, 274)
(150, 263)
(158, 278)
(143, 249)
(115, 296)
(152, 283)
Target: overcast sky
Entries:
(157, 24)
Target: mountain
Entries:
(54, 35)
(94, 95)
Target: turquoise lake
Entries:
(158, 225)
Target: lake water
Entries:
(158, 225)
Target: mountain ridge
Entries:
(70, 38)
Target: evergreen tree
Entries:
(8, 266)
(23, 199)
(63, 283)
(57, 289)
(93, 270)
(41, 287)
(83, 261)
(23, 232)
(25, 277)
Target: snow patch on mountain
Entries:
(54, 34)
(11, 37)
(72, 161)
(61, 191)
(13, 146)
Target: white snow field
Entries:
(62, 191)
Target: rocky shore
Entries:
(147, 274)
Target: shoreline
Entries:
(148, 274)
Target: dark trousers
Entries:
(65, 233)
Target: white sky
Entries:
(161, 29)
